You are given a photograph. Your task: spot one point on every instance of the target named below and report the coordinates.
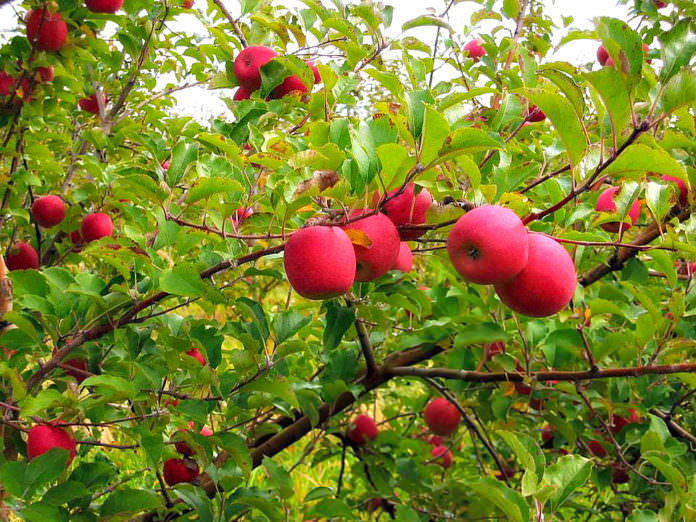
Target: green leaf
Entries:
(614, 94)
(47, 467)
(680, 91)
(467, 140)
(479, 333)
(427, 20)
(338, 320)
(330, 508)
(566, 475)
(511, 8)
(183, 155)
(624, 45)
(416, 101)
(505, 499)
(287, 324)
(197, 498)
(435, 130)
(279, 478)
(641, 158)
(526, 449)
(206, 187)
(130, 501)
(396, 163)
(28, 282)
(65, 492)
(678, 47)
(658, 198)
(671, 473)
(12, 477)
(183, 280)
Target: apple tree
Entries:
(425, 272)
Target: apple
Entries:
(488, 245)
(187, 4)
(408, 208)
(46, 74)
(90, 104)
(602, 55)
(534, 114)
(315, 71)
(241, 94)
(96, 226)
(363, 429)
(546, 285)
(183, 448)
(605, 203)
(493, 349)
(240, 216)
(659, 4)
(78, 364)
(179, 470)
(442, 455)
(373, 505)
(619, 422)
(685, 269)
(196, 354)
(7, 84)
(45, 437)
(683, 190)
(320, 262)
(377, 259)
(547, 435)
(166, 164)
(104, 6)
(435, 440)
(596, 448)
(22, 256)
(475, 49)
(619, 475)
(291, 84)
(646, 51)
(48, 211)
(76, 238)
(404, 261)
(442, 417)
(247, 65)
(46, 30)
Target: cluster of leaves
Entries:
(179, 274)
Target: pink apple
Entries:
(404, 261)
(241, 94)
(90, 103)
(176, 471)
(104, 6)
(240, 216)
(166, 164)
(187, 4)
(475, 49)
(442, 417)
(247, 65)
(605, 203)
(96, 226)
(315, 71)
(363, 429)
(291, 84)
(46, 30)
(408, 208)
(442, 456)
(45, 437)
(377, 259)
(22, 256)
(683, 190)
(48, 211)
(46, 74)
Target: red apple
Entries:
(183, 448)
(46, 30)
(619, 475)
(90, 104)
(373, 505)
(404, 261)
(291, 84)
(407, 208)
(48, 211)
(442, 417)
(475, 49)
(320, 262)
(488, 245)
(187, 4)
(179, 470)
(241, 94)
(659, 4)
(247, 65)
(166, 164)
(240, 216)
(546, 285)
(547, 434)
(7, 84)
(45, 437)
(685, 269)
(377, 259)
(683, 190)
(96, 226)
(596, 448)
(76, 237)
(494, 349)
(78, 364)
(315, 71)
(609, 62)
(646, 51)
(442, 455)
(605, 203)
(435, 440)
(22, 256)
(104, 6)
(363, 429)
(602, 55)
(196, 354)
(46, 74)
(619, 422)
(534, 114)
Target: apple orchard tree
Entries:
(362, 293)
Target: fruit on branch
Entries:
(404, 261)
(520, 386)
(442, 417)
(683, 190)
(104, 6)
(79, 368)
(442, 456)
(435, 440)
(46, 74)
(291, 84)
(196, 354)
(373, 505)
(619, 422)
(22, 256)
(605, 203)
(619, 474)
(660, 4)
(602, 55)
(475, 50)
(187, 4)
(534, 114)
(362, 429)
(176, 471)
(45, 437)
(166, 164)
(547, 436)
(315, 71)
(488, 245)
(546, 285)
(240, 216)
(493, 349)
(48, 211)
(247, 65)
(183, 447)
(241, 94)
(685, 268)
(90, 104)
(408, 208)
(596, 448)
(46, 30)
(377, 258)
(96, 226)
(320, 262)
(7, 84)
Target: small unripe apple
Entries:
(247, 65)
(534, 114)
(546, 284)
(442, 417)
(377, 259)
(176, 471)
(605, 203)
(404, 261)
(48, 211)
(315, 71)
(104, 6)
(408, 208)
(442, 456)
(683, 190)
(46, 74)
(291, 84)
(96, 226)
(488, 245)
(22, 256)
(602, 55)
(45, 437)
(241, 94)
(475, 49)
(320, 262)
(363, 429)
(196, 354)
(90, 104)
(46, 30)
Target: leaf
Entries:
(427, 20)
(206, 187)
(566, 475)
(331, 508)
(280, 479)
(479, 333)
(658, 198)
(511, 8)
(642, 158)
(526, 449)
(614, 94)
(678, 47)
(287, 324)
(65, 492)
(505, 499)
(338, 320)
(197, 498)
(415, 102)
(28, 282)
(435, 130)
(467, 140)
(183, 155)
(396, 163)
(183, 280)
(624, 45)
(358, 237)
(671, 473)
(680, 91)
(130, 501)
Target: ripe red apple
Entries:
(534, 114)
(22, 256)
(547, 434)
(78, 364)
(363, 429)
(315, 71)
(196, 354)
(179, 470)
(247, 65)
(104, 6)
(442, 417)
(619, 475)
(7, 84)
(435, 440)
(241, 94)
(45, 437)
(488, 245)
(659, 4)
(166, 164)
(290, 84)
(320, 262)
(683, 190)
(475, 49)
(602, 55)
(596, 448)
(183, 448)
(442, 455)
(187, 4)
(404, 261)
(90, 104)
(546, 285)
(619, 422)
(48, 211)
(46, 30)
(377, 259)
(408, 208)
(605, 203)
(96, 226)
(491, 350)
(240, 216)
(46, 74)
